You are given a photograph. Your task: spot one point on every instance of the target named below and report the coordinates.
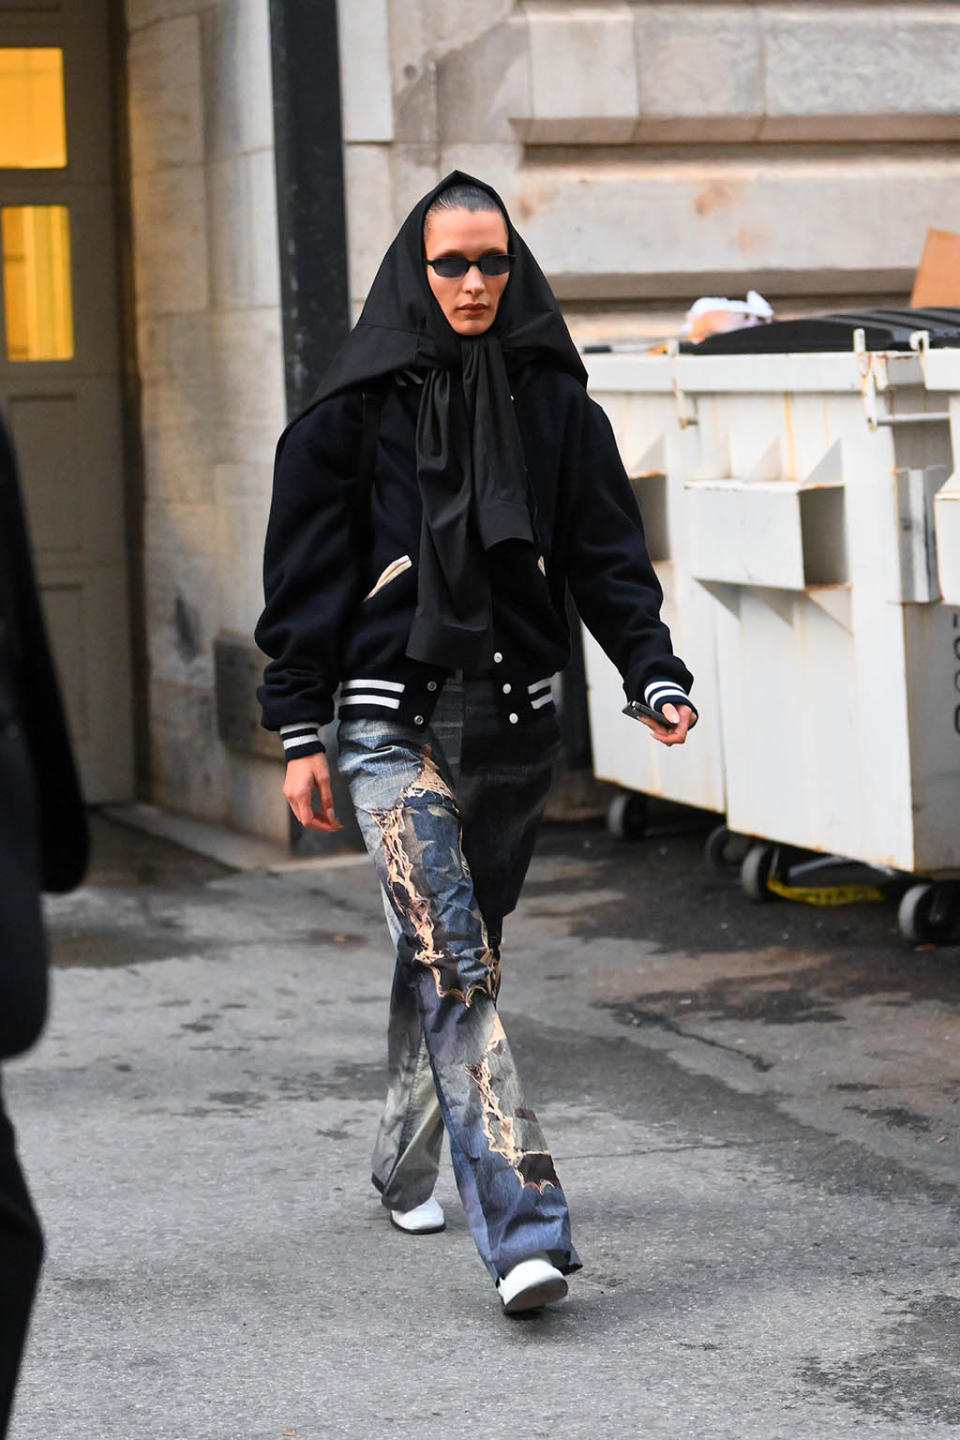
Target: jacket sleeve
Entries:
(608, 569)
(309, 574)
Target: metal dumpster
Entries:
(814, 578)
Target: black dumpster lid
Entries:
(883, 329)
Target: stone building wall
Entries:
(652, 152)
(211, 362)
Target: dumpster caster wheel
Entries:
(627, 816)
(725, 850)
(756, 870)
(927, 913)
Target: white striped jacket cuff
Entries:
(301, 739)
(665, 692)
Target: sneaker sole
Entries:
(419, 1229)
(534, 1297)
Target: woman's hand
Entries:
(684, 719)
(309, 773)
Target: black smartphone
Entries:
(638, 711)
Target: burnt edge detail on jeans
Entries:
(531, 1167)
(402, 849)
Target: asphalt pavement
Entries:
(753, 1109)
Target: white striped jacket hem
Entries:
(383, 700)
(367, 692)
(541, 693)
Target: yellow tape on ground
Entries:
(826, 894)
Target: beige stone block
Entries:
(153, 347)
(482, 84)
(412, 41)
(824, 224)
(237, 440)
(720, 71)
(583, 79)
(188, 765)
(242, 230)
(175, 530)
(699, 72)
(255, 797)
(249, 406)
(423, 32)
(242, 529)
(167, 342)
(243, 482)
(238, 83)
(499, 165)
(882, 71)
(247, 350)
(263, 231)
(415, 170)
(166, 95)
(416, 115)
(170, 241)
(366, 96)
(460, 22)
(140, 13)
(370, 216)
(176, 367)
(177, 460)
(182, 589)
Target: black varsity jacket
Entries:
(340, 588)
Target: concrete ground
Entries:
(753, 1110)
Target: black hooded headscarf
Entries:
(470, 463)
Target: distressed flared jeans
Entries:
(449, 814)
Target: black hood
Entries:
(402, 326)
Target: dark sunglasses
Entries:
(454, 267)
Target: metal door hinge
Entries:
(874, 379)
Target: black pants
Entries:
(21, 1255)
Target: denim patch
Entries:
(511, 1130)
(428, 882)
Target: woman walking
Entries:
(430, 508)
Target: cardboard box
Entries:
(937, 280)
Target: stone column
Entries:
(211, 361)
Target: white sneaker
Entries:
(531, 1284)
(425, 1219)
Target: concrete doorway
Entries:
(60, 359)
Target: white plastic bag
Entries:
(715, 315)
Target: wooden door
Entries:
(60, 358)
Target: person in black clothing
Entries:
(449, 483)
(43, 844)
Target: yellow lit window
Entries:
(38, 303)
(33, 131)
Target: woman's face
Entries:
(469, 302)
